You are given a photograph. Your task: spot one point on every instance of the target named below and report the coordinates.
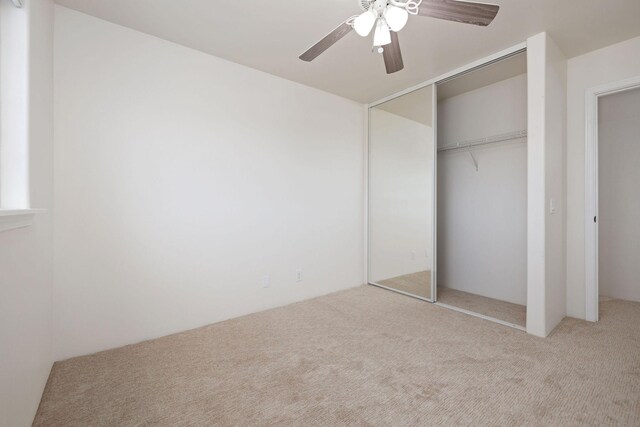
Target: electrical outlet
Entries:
(299, 275)
(413, 255)
(266, 281)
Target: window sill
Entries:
(11, 219)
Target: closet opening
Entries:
(482, 192)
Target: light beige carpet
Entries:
(365, 356)
(415, 283)
(502, 310)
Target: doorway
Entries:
(612, 200)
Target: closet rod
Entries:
(484, 141)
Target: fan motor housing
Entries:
(364, 4)
(380, 5)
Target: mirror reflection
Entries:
(401, 193)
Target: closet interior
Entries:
(482, 191)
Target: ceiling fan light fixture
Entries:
(382, 36)
(364, 23)
(391, 16)
(396, 17)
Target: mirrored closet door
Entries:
(402, 194)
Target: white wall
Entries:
(25, 254)
(619, 198)
(400, 196)
(482, 215)
(182, 179)
(546, 289)
(555, 178)
(614, 63)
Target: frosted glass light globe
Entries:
(382, 36)
(396, 17)
(363, 24)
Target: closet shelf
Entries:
(485, 141)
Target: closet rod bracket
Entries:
(473, 158)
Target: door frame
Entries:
(591, 230)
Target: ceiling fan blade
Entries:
(392, 55)
(314, 51)
(459, 11)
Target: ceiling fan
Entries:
(390, 16)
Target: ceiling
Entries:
(269, 36)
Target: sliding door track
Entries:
(451, 307)
(482, 316)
